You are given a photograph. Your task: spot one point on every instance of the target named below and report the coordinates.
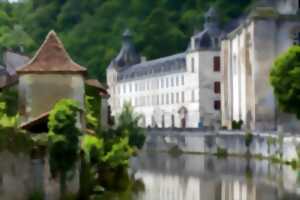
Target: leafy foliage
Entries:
(91, 29)
(119, 154)
(128, 126)
(285, 80)
(248, 139)
(8, 108)
(63, 138)
(92, 147)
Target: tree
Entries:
(285, 79)
(128, 126)
(63, 139)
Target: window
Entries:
(177, 97)
(182, 80)
(182, 97)
(167, 82)
(162, 83)
(177, 81)
(217, 87)
(193, 65)
(162, 99)
(167, 99)
(193, 95)
(172, 98)
(172, 82)
(217, 63)
(130, 87)
(217, 105)
(296, 38)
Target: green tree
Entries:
(285, 80)
(63, 139)
(128, 126)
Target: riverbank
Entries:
(276, 147)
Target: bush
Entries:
(128, 127)
(63, 139)
(248, 139)
(221, 152)
(284, 78)
(237, 125)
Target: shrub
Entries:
(221, 152)
(248, 139)
(63, 139)
(128, 127)
(284, 78)
(237, 125)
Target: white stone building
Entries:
(181, 90)
(247, 55)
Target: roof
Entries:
(52, 57)
(167, 64)
(128, 55)
(14, 61)
(96, 84)
(35, 121)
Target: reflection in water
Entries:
(193, 177)
(187, 177)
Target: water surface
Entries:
(199, 177)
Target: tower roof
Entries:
(128, 55)
(212, 12)
(51, 58)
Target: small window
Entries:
(172, 98)
(193, 65)
(182, 97)
(217, 105)
(297, 38)
(167, 101)
(217, 87)
(177, 97)
(177, 81)
(162, 99)
(182, 80)
(217, 63)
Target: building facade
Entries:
(181, 90)
(247, 55)
(51, 75)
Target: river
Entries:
(165, 177)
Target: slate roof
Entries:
(14, 61)
(169, 64)
(128, 55)
(208, 38)
(52, 57)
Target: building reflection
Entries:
(175, 187)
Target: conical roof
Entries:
(52, 58)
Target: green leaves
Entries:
(63, 136)
(284, 78)
(91, 30)
(119, 154)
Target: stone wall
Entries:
(201, 141)
(38, 93)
